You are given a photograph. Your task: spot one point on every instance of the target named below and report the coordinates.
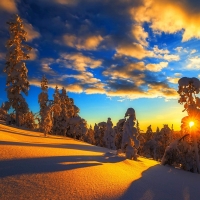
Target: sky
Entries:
(109, 55)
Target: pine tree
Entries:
(17, 79)
(56, 112)
(64, 100)
(45, 123)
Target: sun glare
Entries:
(191, 124)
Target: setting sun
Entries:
(191, 124)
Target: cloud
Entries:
(52, 84)
(156, 67)
(193, 51)
(90, 42)
(139, 34)
(80, 62)
(173, 80)
(8, 6)
(132, 72)
(194, 63)
(2, 56)
(83, 78)
(31, 32)
(160, 51)
(178, 74)
(164, 54)
(133, 50)
(171, 57)
(154, 90)
(179, 49)
(45, 66)
(33, 54)
(170, 16)
(96, 89)
(67, 2)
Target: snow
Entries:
(36, 167)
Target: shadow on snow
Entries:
(164, 183)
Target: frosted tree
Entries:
(27, 120)
(99, 132)
(90, 136)
(185, 153)
(45, 123)
(17, 79)
(149, 133)
(64, 118)
(119, 133)
(56, 108)
(96, 134)
(166, 135)
(130, 143)
(3, 112)
(109, 135)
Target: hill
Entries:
(36, 167)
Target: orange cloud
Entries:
(134, 50)
(71, 87)
(9, 6)
(80, 62)
(88, 43)
(156, 67)
(170, 16)
(140, 35)
(33, 54)
(31, 32)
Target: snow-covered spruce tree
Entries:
(109, 135)
(130, 142)
(64, 118)
(96, 134)
(46, 123)
(15, 68)
(119, 132)
(3, 112)
(56, 129)
(90, 136)
(166, 134)
(149, 133)
(27, 120)
(185, 153)
(101, 133)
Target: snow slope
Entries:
(35, 167)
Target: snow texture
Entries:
(36, 167)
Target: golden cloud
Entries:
(173, 79)
(88, 42)
(84, 78)
(71, 87)
(126, 72)
(169, 16)
(33, 54)
(140, 35)
(9, 6)
(31, 32)
(156, 67)
(134, 50)
(81, 62)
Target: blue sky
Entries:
(109, 55)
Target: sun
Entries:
(191, 124)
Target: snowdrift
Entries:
(36, 167)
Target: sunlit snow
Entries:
(36, 167)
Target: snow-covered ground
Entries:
(37, 167)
